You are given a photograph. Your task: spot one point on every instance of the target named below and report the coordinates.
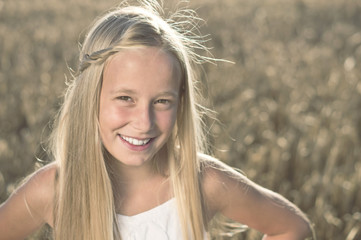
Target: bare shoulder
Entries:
(42, 183)
(29, 206)
(40, 191)
(219, 180)
(44, 178)
(230, 193)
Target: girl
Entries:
(130, 155)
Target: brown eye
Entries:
(163, 101)
(125, 98)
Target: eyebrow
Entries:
(169, 93)
(130, 91)
(122, 90)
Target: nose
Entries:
(143, 118)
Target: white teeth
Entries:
(134, 141)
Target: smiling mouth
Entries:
(136, 142)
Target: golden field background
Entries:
(289, 108)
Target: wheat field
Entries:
(289, 107)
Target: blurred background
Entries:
(289, 108)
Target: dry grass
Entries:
(290, 105)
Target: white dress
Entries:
(159, 223)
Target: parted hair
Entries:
(84, 203)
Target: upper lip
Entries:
(136, 141)
(138, 138)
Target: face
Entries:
(138, 103)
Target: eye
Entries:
(163, 101)
(163, 104)
(124, 98)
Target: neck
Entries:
(123, 173)
(133, 184)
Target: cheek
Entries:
(111, 117)
(166, 120)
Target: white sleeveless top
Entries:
(161, 223)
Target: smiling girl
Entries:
(129, 150)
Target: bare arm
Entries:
(238, 198)
(29, 207)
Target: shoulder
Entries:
(43, 180)
(30, 205)
(41, 190)
(217, 172)
(46, 174)
(230, 193)
(219, 182)
(38, 192)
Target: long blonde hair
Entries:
(85, 206)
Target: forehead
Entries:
(146, 65)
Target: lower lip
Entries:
(136, 147)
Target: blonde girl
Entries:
(130, 155)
